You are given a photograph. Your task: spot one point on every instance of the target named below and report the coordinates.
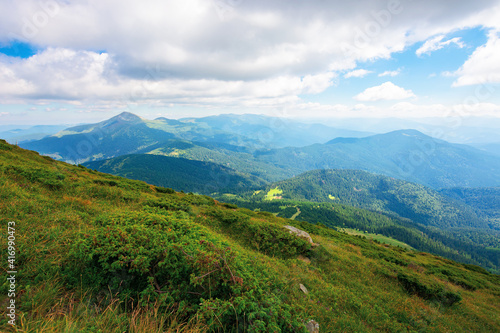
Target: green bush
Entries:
(168, 204)
(106, 182)
(275, 240)
(229, 205)
(148, 258)
(226, 216)
(160, 189)
(144, 256)
(432, 292)
(50, 179)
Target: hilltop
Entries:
(97, 252)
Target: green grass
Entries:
(99, 253)
(380, 238)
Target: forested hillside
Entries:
(178, 173)
(380, 193)
(486, 201)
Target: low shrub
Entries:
(431, 292)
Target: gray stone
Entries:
(312, 326)
(303, 288)
(300, 233)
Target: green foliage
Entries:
(228, 205)
(432, 292)
(225, 216)
(276, 241)
(410, 213)
(485, 200)
(378, 193)
(144, 255)
(106, 182)
(167, 190)
(169, 203)
(50, 179)
(272, 240)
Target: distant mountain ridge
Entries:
(127, 133)
(241, 143)
(403, 154)
(120, 135)
(31, 133)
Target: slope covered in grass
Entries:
(99, 253)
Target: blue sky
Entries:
(422, 74)
(73, 62)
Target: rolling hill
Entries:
(234, 157)
(96, 252)
(379, 193)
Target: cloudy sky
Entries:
(69, 61)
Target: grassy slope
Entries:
(380, 238)
(98, 253)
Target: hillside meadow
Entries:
(100, 253)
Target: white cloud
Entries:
(385, 91)
(51, 75)
(436, 43)
(206, 53)
(390, 73)
(483, 66)
(357, 73)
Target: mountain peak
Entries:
(127, 116)
(408, 132)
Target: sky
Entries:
(65, 61)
